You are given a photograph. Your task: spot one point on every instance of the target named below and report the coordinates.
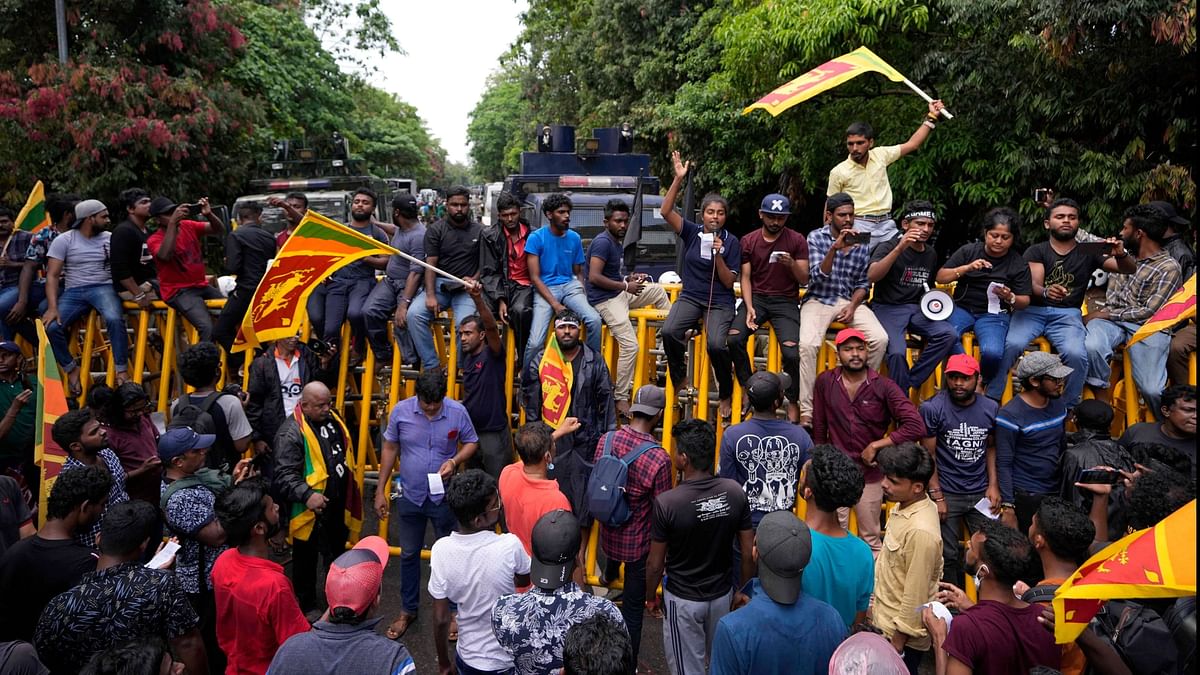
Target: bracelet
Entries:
(929, 123)
(1008, 506)
(932, 117)
(139, 296)
(1045, 291)
(1124, 255)
(407, 301)
(626, 286)
(940, 499)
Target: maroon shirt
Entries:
(766, 277)
(648, 477)
(851, 426)
(133, 447)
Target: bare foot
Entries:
(623, 409)
(793, 413)
(725, 408)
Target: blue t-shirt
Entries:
(765, 457)
(609, 250)
(556, 255)
(840, 572)
(962, 441)
(360, 269)
(697, 272)
(767, 637)
(1029, 443)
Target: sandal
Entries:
(453, 637)
(400, 625)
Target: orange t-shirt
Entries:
(525, 499)
(1073, 660)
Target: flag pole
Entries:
(427, 266)
(927, 98)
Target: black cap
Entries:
(765, 388)
(555, 544)
(162, 205)
(406, 204)
(1168, 210)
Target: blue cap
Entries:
(10, 346)
(776, 204)
(179, 440)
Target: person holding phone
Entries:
(1060, 269)
(177, 250)
(837, 288)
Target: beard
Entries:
(1131, 245)
(360, 217)
(568, 342)
(458, 218)
(1061, 236)
(273, 529)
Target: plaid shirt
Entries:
(648, 477)
(1136, 297)
(18, 246)
(849, 269)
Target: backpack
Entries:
(199, 419)
(1139, 635)
(1040, 595)
(606, 499)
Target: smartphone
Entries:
(193, 210)
(859, 238)
(1094, 248)
(1041, 194)
(1099, 476)
(775, 256)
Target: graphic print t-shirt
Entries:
(1073, 270)
(962, 438)
(905, 282)
(765, 457)
(698, 521)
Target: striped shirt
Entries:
(1136, 297)
(849, 272)
(1029, 442)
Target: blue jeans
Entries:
(419, 317)
(990, 333)
(1149, 357)
(72, 305)
(411, 520)
(35, 305)
(1064, 328)
(939, 338)
(572, 295)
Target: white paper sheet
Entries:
(984, 506)
(435, 484)
(993, 299)
(706, 243)
(164, 555)
(940, 611)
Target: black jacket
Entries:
(493, 264)
(289, 464)
(248, 249)
(591, 402)
(1087, 449)
(264, 409)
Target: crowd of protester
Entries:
(241, 480)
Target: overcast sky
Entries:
(451, 46)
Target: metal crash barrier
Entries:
(365, 400)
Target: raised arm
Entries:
(923, 130)
(668, 206)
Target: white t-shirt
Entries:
(86, 260)
(289, 383)
(474, 570)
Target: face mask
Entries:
(980, 573)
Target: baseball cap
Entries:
(1093, 414)
(849, 334)
(784, 546)
(162, 205)
(776, 204)
(1169, 211)
(355, 576)
(180, 440)
(649, 400)
(963, 364)
(406, 204)
(10, 346)
(86, 209)
(764, 387)
(1041, 364)
(555, 543)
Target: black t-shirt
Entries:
(484, 376)
(33, 571)
(970, 292)
(1073, 270)
(904, 284)
(248, 250)
(13, 512)
(456, 248)
(130, 257)
(699, 520)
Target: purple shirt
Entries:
(853, 425)
(426, 444)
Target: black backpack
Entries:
(199, 419)
(606, 499)
(1139, 635)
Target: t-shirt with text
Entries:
(698, 520)
(909, 276)
(961, 435)
(765, 457)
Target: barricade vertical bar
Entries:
(168, 361)
(139, 350)
(343, 368)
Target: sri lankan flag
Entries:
(1158, 562)
(33, 215)
(1178, 307)
(317, 248)
(51, 404)
(556, 375)
(823, 78)
(316, 474)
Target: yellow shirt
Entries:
(868, 185)
(907, 571)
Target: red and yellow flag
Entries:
(1178, 307)
(33, 216)
(51, 404)
(316, 475)
(317, 248)
(557, 376)
(1158, 562)
(823, 78)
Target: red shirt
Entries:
(525, 499)
(133, 447)
(256, 611)
(186, 268)
(773, 278)
(282, 237)
(851, 426)
(518, 268)
(648, 477)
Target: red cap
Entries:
(354, 579)
(849, 334)
(963, 364)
